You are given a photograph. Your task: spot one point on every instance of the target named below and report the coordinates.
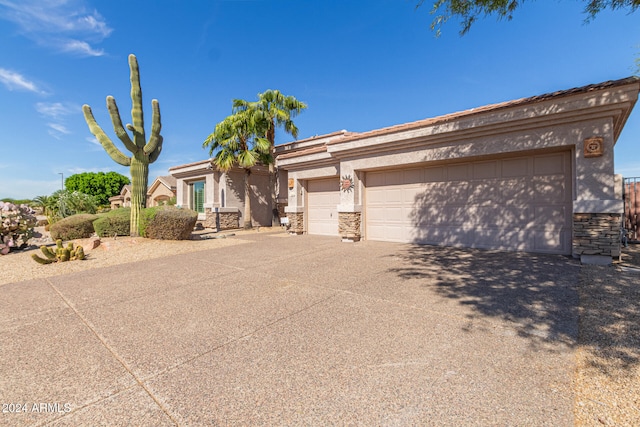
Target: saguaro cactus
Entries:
(142, 152)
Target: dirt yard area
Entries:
(608, 355)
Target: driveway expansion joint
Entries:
(111, 350)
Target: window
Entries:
(197, 196)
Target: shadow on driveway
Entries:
(537, 293)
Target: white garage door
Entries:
(519, 203)
(323, 198)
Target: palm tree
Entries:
(43, 202)
(235, 141)
(279, 111)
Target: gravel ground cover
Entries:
(608, 354)
(18, 266)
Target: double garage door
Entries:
(519, 203)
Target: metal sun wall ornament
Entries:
(346, 184)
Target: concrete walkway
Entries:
(295, 330)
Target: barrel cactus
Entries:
(60, 253)
(143, 152)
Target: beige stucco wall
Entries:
(260, 205)
(539, 125)
(160, 192)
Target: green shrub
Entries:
(167, 223)
(115, 222)
(73, 227)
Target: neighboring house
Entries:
(123, 200)
(218, 197)
(534, 174)
(161, 191)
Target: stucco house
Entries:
(123, 200)
(161, 190)
(533, 174)
(218, 197)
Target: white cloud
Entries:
(13, 80)
(73, 171)
(80, 47)
(55, 110)
(95, 143)
(56, 113)
(69, 20)
(59, 128)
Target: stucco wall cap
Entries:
(305, 152)
(487, 108)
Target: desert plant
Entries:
(60, 253)
(143, 152)
(16, 226)
(74, 227)
(167, 223)
(113, 223)
(75, 202)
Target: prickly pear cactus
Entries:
(59, 253)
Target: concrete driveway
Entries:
(295, 330)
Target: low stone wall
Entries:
(596, 234)
(210, 220)
(349, 226)
(221, 220)
(296, 222)
(229, 220)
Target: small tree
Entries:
(98, 184)
(237, 140)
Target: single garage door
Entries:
(323, 198)
(521, 203)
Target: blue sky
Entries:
(359, 65)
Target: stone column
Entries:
(350, 208)
(597, 209)
(596, 234)
(295, 205)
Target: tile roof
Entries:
(487, 108)
(352, 136)
(312, 150)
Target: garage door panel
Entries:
(375, 179)
(550, 164)
(323, 198)
(485, 170)
(549, 189)
(549, 215)
(434, 174)
(519, 203)
(448, 236)
(413, 176)
(455, 192)
(412, 194)
(515, 189)
(515, 168)
(458, 172)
